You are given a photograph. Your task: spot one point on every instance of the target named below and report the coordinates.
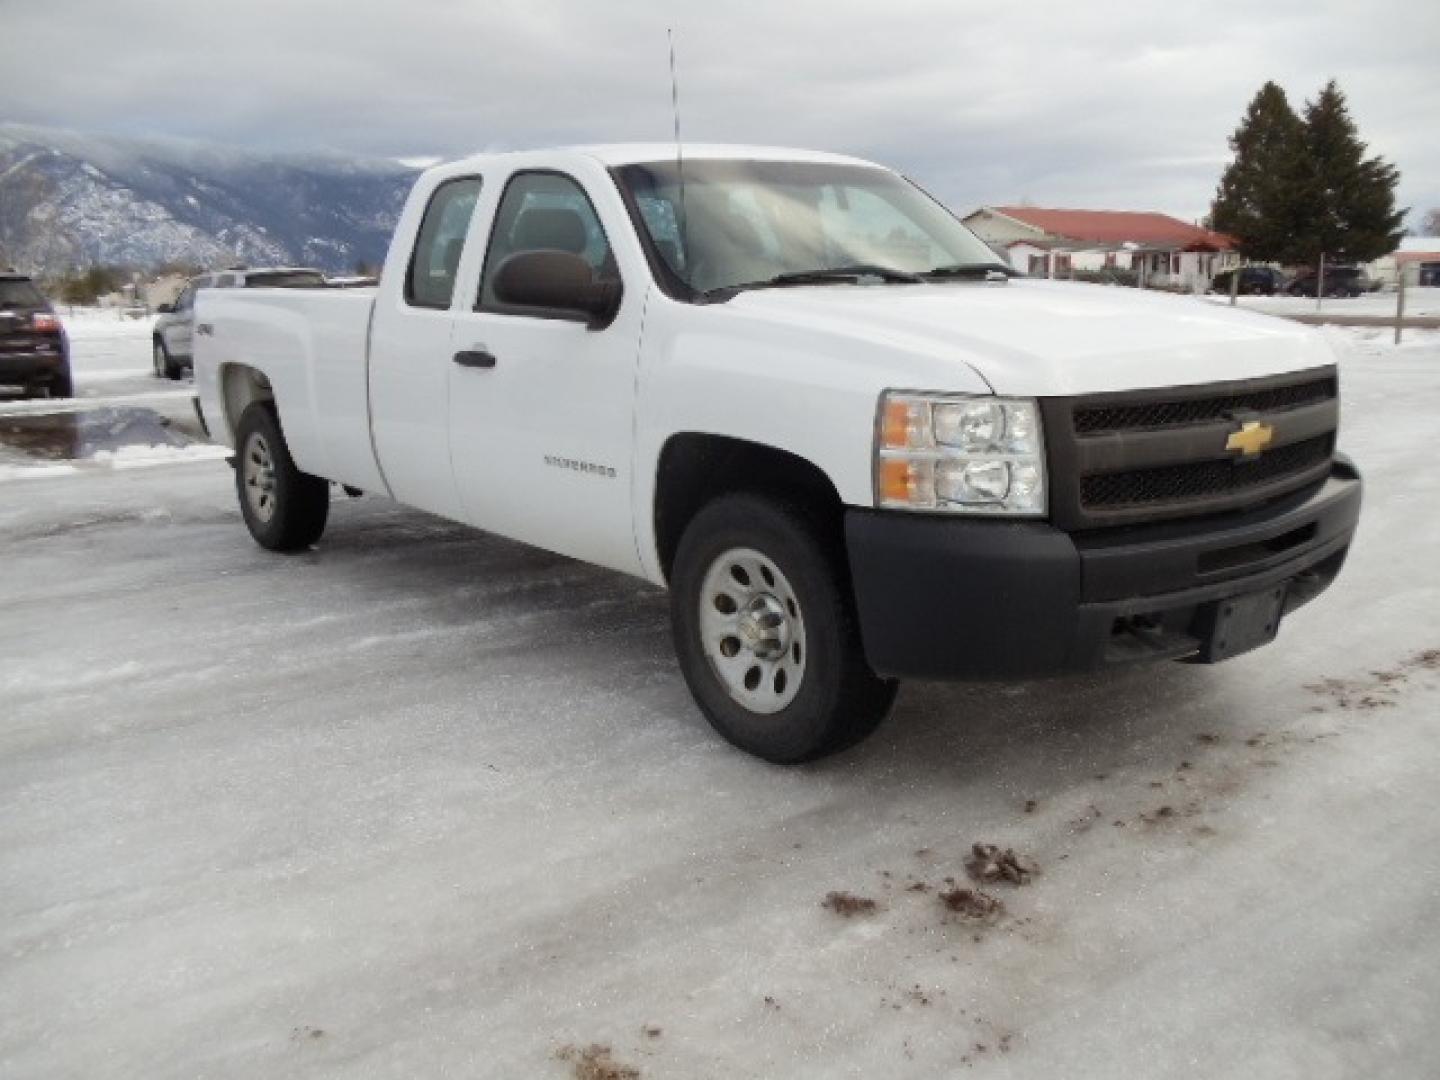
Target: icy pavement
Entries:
(424, 803)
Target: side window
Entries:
(186, 300)
(431, 279)
(546, 212)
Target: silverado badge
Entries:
(1252, 437)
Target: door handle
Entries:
(475, 358)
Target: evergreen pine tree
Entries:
(1348, 211)
(1256, 202)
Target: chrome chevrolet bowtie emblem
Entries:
(1252, 438)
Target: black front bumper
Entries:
(945, 599)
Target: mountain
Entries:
(71, 200)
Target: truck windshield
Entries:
(754, 224)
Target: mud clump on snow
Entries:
(594, 1062)
(847, 905)
(988, 865)
(972, 904)
(1381, 690)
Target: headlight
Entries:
(972, 455)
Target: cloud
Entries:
(1095, 103)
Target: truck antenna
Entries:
(679, 155)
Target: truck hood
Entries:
(1043, 338)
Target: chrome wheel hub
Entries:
(752, 630)
(257, 470)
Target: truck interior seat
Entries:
(728, 248)
(549, 229)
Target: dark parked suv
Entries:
(1339, 281)
(1254, 281)
(34, 352)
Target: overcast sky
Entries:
(1080, 103)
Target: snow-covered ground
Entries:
(425, 803)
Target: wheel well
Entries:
(240, 386)
(695, 468)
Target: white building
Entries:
(1420, 252)
(1161, 250)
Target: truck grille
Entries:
(1141, 487)
(1146, 455)
(1096, 419)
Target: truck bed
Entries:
(313, 342)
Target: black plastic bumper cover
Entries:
(30, 367)
(940, 598)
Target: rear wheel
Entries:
(766, 634)
(284, 509)
(63, 386)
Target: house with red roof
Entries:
(1159, 249)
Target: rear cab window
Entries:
(285, 279)
(430, 279)
(20, 293)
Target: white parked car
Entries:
(797, 392)
(171, 338)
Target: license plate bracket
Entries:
(1237, 624)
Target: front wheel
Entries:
(165, 367)
(766, 634)
(284, 509)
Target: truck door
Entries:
(178, 333)
(541, 407)
(410, 353)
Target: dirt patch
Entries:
(848, 905)
(989, 865)
(1085, 821)
(980, 1049)
(972, 904)
(595, 1062)
(1378, 689)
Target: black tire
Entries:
(298, 503)
(164, 364)
(840, 700)
(63, 385)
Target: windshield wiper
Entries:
(832, 275)
(981, 271)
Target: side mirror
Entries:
(559, 284)
(165, 309)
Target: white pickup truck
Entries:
(794, 390)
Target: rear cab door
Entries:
(410, 348)
(542, 435)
